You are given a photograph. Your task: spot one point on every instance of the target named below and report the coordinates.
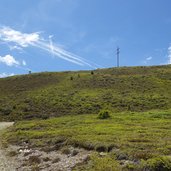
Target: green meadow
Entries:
(138, 135)
(44, 95)
(51, 109)
(131, 136)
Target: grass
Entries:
(60, 109)
(44, 95)
(97, 163)
(134, 135)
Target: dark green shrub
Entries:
(158, 164)
(45, 117)
(104, 114)
(101, 148)
(6, 111)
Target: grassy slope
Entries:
(143, 137)
(130, 133)
(55, 94)
(137, 134)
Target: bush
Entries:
(104, 164)
(104, 114)
(92, 73)
(101, 148)
(158, 164)
(6, 111)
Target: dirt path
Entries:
(5, 163)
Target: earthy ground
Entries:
(23, 158)
(5, 163)
(55, 160)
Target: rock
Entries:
(102, 154)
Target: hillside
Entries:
(43, 95)
(134, 137)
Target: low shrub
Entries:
(158, 164)
(104, 164)
(101, 148)
(104, 114)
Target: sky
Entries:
(62, 35)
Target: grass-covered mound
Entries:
(45, 95)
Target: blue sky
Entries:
(58, 35)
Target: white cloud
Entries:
(24, 63)
(169, 55)
(15, 48)
(9, 60)
(24, 40)
(9, 35)
(2, 75)
(149, 58)
(51, 44)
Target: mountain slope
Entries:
(43, 95)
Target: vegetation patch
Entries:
(157, 164)
(45, 95)
(57, 110)
(104, 114)
(127, 135)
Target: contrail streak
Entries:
(51, 44)
(24, 40)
